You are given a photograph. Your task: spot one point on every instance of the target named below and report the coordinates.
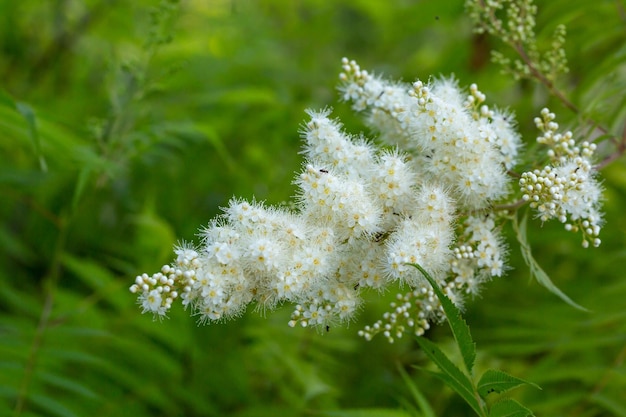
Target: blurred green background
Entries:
(124, 126)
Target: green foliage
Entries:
(462, 382)
(460, 329)
(370, 412)
(535, 270)
(498, 381)
(509, 408)
(424, 407)
(125, 125)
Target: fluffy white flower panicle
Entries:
(361, 263)
(342, 203)
(496, 125)
(327, 144)
(394, 184)
(389, 106)
(365, 213)
(479, 254)
(423, 237)
(157, 292)
(506, 139)
(455, 140)
(389, 182)
(215, 286)
(461, 150)
(565, 189)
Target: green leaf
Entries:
(6, 100)
(499, 381)
(211, 134)
(509, 408)
(52, 406)
(451, 375)
(419, 398)
(613, 405)
(96, 277)
(28, 114)
(68, 385)
(367, 412)
(535, 269)
(81, 183)
(459, 327)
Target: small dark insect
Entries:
(356, 286)
(324, 171)
(327, 328)
(576, 170)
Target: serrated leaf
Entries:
(498, 382)
(459, 327)
(509, 408)
(536, 271)
(451, 375)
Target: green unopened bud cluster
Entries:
(513, 22)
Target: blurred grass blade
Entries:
(81, 183)
(213, 137)
(29, 115)
(616, 407)
(52, 405)
(498, 382)
(535, 269)
(367, 412)
(460, 329)
(68, 385)
(419, 398)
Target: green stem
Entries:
(49, 285)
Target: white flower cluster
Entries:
(456, 141)
(477, 257)
(566, 189)
(364, 213)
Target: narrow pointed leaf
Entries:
(509, 408)
(451, 375)
(28, 114)
(367, 412)
(536, 271)
(81, 184)
(498, 382)
(459, 327)
(419, 398)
